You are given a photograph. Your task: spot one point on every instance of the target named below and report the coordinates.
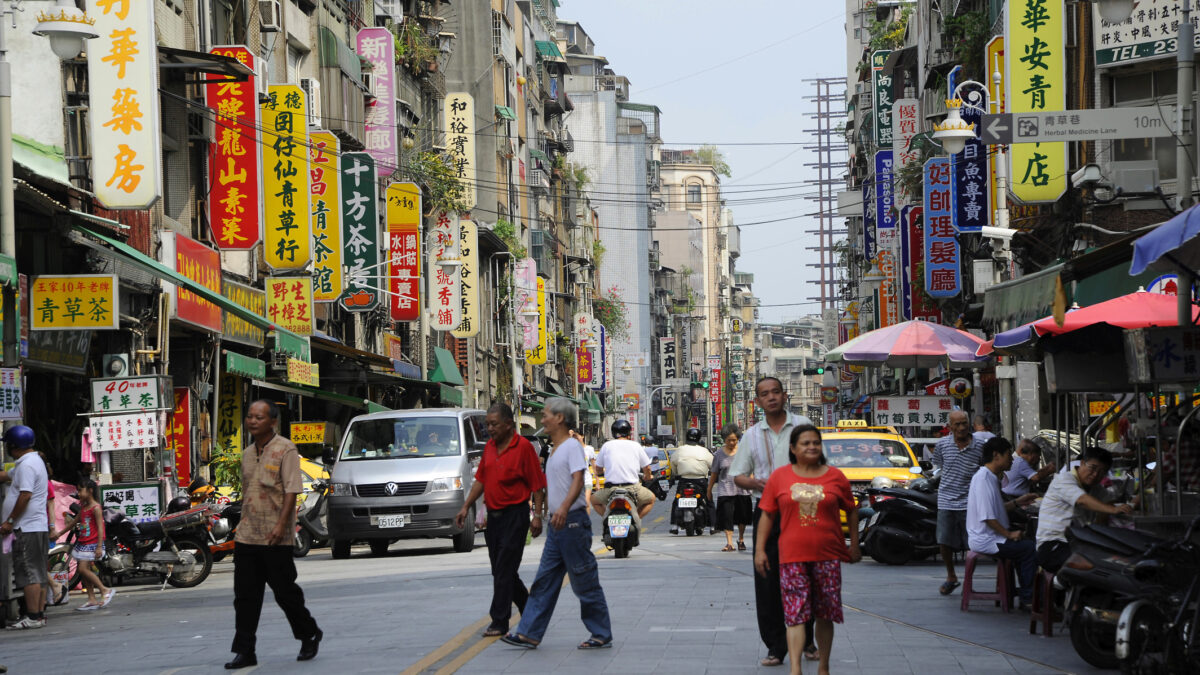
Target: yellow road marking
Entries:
(659, 519)
(443, 651)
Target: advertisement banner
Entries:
(912, 411)
(360, 232)
(668, 364)
(601, 358)
(403, 213)
(1036, 81)
(995, 64)
(970, 199)
(882, 86)
(906, 265)
(378, 46)
(122, 432)
(74, 302)
(583, 365)
(906, 122)
(233, 327)
(525, 282)
(179, 435)
(139, 502)
(468, 279)
(123, 118)
(303, 372)
(286, 231)
(12, 394)
(289, 303)
(942, 275)
(885, 217)
(584, 333)
(323, 198)
(459, 123)
(307, 432)
(536, 355)
(234, 193)
(202, 265)
(445, 304)
(1151, 32)
(229, 413)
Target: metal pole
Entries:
(1184, 169)
(8, 227)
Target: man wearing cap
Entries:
(25, 519)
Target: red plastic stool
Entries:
(1005, 582)
(1043, 604)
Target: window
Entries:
(693, 193)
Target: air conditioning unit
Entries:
(270, 14)
(312, 91)
(279, 360)
(115, 365)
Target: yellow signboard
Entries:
(286, 232)
(326, 216)
(74, 302)
(1098, 408)
(290, 303)
(995, 64)
(1037, 83)
(308, 432)
(303, 372)
(229, 413)
(468, 279)
(537, 355)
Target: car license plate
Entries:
(618, 526)
(385, 522)
(664, 484)
(687, 502)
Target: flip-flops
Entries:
(741, 545)
(593, 643)
(518, 641)
(812, 654)
(948, 587)
(108, 597)
(771, 660)
(728, 548)
(492, 631)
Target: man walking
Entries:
(690, 464)
(624, 464)
(263, 544)
(509, 472)
(959, 454)
(24, 517)
(764, 448)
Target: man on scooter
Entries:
(623, 464)
(690, 464)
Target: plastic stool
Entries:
(1043, 604)
(1005, 582)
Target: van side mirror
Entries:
(476, 449)
(328, 456)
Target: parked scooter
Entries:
(690, 510)
(902, 524)
(310, 520)
(621, 525)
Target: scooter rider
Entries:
(691, 462)
(621, 461)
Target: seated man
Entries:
(623, 464)
(1074, 497)
(987, 517)
(1024, 474)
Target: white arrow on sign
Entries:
(999, 123)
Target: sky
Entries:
(726, 73)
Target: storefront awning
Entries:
(1022, 300)
(351, 401)
(446, 370)
(538, 155)
(226, 69)
(245, 366)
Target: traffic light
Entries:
(700, 385)
(819, 370)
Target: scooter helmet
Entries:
(622, 429)
(20, 437)
(178, 504)
(693, 435)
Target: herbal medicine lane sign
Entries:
(1037, 83)
(74, 302)
(1080, 125)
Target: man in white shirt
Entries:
(690, 463)
(24, 516)
(624, 464)
(987, 517)
(1074, 496)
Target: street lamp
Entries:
(953, 133)
(67, 26)
(1115, 11)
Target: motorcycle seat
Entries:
(1115, 539)
(150, 530)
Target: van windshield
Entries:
(400, 438)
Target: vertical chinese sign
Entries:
(969, 196)
(885, 216)
(912, 260)
(403, 213)
(468, 279)
(233, 170)
(459, 124)
(1036, 83)
(942, 278)
(583, 365)
(994, 65)
(76, 302)
(868, 237)
(445, 306)
(668, 364)
(717, 398)
(360, 232)
(525, 280)
(536, 355)
(326, 210)
(882, 86)
(905, 125)
(124, 119)
(229, 413)
(202, 265)
(889, 290)
(286, 228)
(379, 136)
(179, 435)
(289, 303)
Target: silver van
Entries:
(404, 474)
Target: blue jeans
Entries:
(1023, 552)
(567, 551)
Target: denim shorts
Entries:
(952, 529)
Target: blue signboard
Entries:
(885, 217)
(868, 238)
(942, 257)
(970, 194)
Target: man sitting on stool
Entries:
(987, 516)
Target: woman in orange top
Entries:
(807, 496)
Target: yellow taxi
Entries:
(309, 471)
(864, 452)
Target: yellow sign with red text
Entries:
(308, 432)
(290, 303)
(303, 372)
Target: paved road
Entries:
(679, 605)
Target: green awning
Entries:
(538, 154)
(506, 113)
(152, 266)
(446, 370)
(451, 396)
(245, 366)
(322, 394)
(1021, 300)
(373, 407)
(547, 49)
(1111, 283)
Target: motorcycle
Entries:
(690, 510)
(173, 547)
(310, 521)
(221, 527)
(900, 523)
(621, 525)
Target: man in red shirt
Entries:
(509, 473)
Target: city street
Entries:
(679, 605)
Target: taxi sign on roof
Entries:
(851, 423)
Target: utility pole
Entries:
(8, 228)
(1184, 170)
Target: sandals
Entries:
(741, 545)
(948, 587)
(518, 641)
(812, 654)
(492, 631)
(771, 660)
(728, 548)
(593, 643)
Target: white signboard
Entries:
(912, 411)
(714, 362)
(139, 503)
(12, 399)
(668, 363)
(1149, 33)
(127, 394)
(122, 432)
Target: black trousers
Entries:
(505, 537)
(255, 568)
(768, 597)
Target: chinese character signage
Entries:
(12, 399)
(80, 301)
(124, 120)
(885, 217)
(360, 232)
(289, 303)
(286, 231)
(1037, 83)
(905, 124)
(1151, 32)
(379, 136)
(202, 265)
(179, 435)
(942, 278)
(583, 365)
(122, 432)
(445, 306)
(889, 290)
(326, 210)
(229, 413)
(969, 195)
(127, 394)
(882, 85)
(668, 361)
(995, 64)
(468, 279)
(912, 411)
(459, 124)
(307, 432)
(303, 372)
(526, 282)
(536, 355)
(912, 257)
(233, 169)
(138, 502)
(868, 235)
(601, 359)
(233, 327)
(584, 329)
(403, 215)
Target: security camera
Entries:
(1002, 233)
(1088, 176)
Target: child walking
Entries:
(89, 544)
